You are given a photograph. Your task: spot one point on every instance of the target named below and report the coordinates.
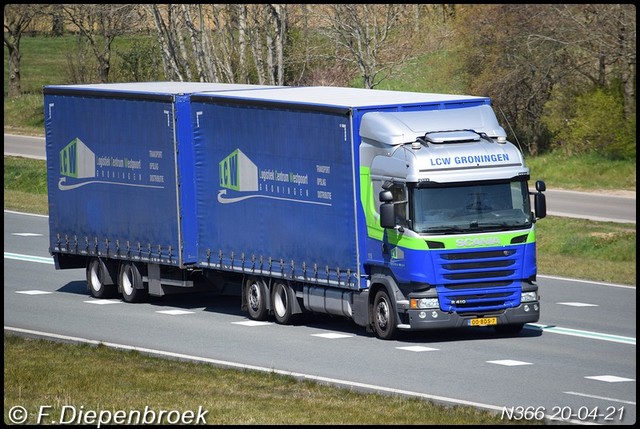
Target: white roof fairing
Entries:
(346, 97)
(396, 128)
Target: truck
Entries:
(401, 211)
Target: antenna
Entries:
(512, 131)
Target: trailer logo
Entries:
(242, 178)
(80, 164)
(77, 160)
(237, 172)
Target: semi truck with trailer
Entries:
(400, 211)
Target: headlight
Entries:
(529, 297)
(423, 303)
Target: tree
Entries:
(373, 37)
(100, 24)
(17, 18)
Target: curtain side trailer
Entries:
(397, 210)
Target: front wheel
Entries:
(384, 316)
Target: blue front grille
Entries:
(472, 281)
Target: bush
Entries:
(596, 123)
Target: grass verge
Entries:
(74, 380)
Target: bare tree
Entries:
(223, 42)
(17, 18)
(100, 24)
(374, 37)
(602, 41)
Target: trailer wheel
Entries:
(384, 317)
(130, 282)
(96, 278)
(256, 298)
(282, 303)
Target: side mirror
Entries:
(387, 215)
(386, 196)
(540, 203)
(540, 200)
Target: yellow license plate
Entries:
(483, 321)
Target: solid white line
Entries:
(28, 258)
(25, 214)
(604, 398)
(583, 334)
(586, 281)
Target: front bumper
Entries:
(437, 319)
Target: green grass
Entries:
(583, 173)
(40, 373)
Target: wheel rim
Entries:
(127, 283)
(254, 296)
(382, 314)
(94, 274)
(280, 301)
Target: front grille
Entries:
(479, 280)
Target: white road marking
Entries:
(417, 348)
(33, 292)
(601, 397)
(175, 312)
(252, 323)
(27, 234)
(578, 304)
(509, 362)
(609, 378)
(332, 336)
(103, 301)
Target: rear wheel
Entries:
(97, 282)
(384, 317)
(131, 284)
(283, 297)
(256, 298)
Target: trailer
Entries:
(397, 210)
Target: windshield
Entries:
(464, 208)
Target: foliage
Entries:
(139, 62)
(594, 123)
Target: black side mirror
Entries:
(540, 200)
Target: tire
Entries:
(384, 316)
(256, 297)
(130, 282)
(282, 303)
(97, 283)
(511, 329)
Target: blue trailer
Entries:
(398, 210)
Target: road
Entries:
(580, 359)
(606, 207)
